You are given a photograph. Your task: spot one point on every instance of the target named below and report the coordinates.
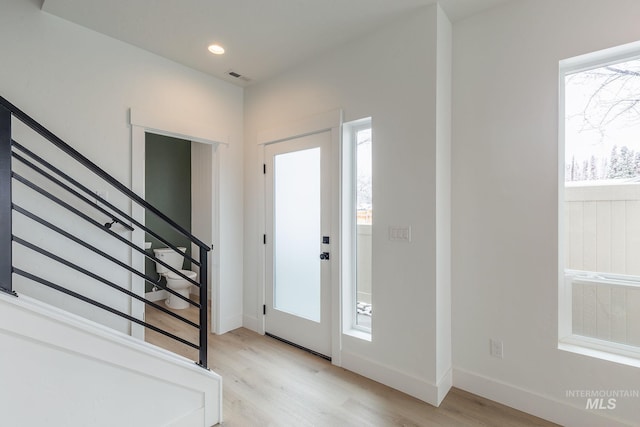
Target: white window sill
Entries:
(359, 333)
(600, 349)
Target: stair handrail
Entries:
(7, 207)
(58, 142)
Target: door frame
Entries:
(143, 122)
(330, 121)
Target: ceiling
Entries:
(262, 38)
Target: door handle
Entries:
(324, 255)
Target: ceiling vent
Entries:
(238, 76)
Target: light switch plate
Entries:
(400, 233)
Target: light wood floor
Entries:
(269, 383)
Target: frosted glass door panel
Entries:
(297, 233)
(297, 303)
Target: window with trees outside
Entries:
(357, 223)
(600, 203)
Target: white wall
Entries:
(81, 85)
(391, 76)
(505, 250)
(202, 204)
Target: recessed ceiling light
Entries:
(216, 49)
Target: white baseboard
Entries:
(416, 387)
(250, 322)
(531, 402)
(444, 385)
(230, 323)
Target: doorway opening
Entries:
(168, 187)
(202, 157)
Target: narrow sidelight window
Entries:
(358, 221)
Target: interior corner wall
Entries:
(505, 206)
(81, 84)
(443, 368)
(389, 75)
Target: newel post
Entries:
(5, 201)
(204, 303)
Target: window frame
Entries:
(567, 340)
(350, 227)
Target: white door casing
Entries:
(142, 122)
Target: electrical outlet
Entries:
(496, 348)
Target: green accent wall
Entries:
(168, 188)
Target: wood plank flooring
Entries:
(269, 383)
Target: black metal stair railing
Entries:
(12, 150)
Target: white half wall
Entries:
(58, 369)
(505, 206)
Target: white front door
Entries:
(298, 222)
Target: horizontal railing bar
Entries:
(101, 305)
(100, 199)
(66, 148)
(95, 223)
(101, 279)
(99, 252)
(70, 190)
